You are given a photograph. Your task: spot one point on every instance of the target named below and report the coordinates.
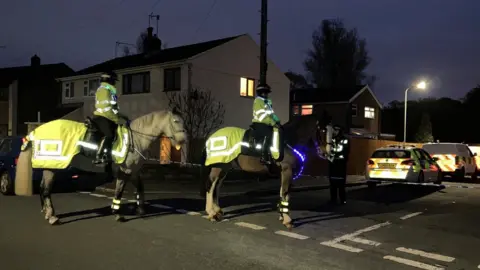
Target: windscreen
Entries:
(391, 154)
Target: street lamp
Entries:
(421, 85)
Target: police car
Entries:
(402, 164)
(455, 159)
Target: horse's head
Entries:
(175, 129)
(306, 133)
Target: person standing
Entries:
(338, 161)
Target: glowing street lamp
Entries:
(420, 85)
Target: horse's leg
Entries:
(216, 196)
(45, 193)
(283, 205)
(42, 198)
(138, 183)
(212, 181)
(117, 199)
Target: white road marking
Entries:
(292, 235)
(341, 246)
(353, 237)
(354, 234)
(132, 201)
(479, 266)
(410, 215)
(250, 226)
(412, 263)
(429, 255)
(98, 195)
(364, 241)
(84, 192)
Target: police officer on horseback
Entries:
(264, 119)
(106, 115)
(338, 160)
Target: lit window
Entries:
(307, 109)
(369, 113)
(247, 87)
(354, 110)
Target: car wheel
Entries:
(6, 184)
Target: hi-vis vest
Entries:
(263, 112)
(106, 102)
(340, 148)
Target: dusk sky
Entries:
(409, 39)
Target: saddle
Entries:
(256, 141)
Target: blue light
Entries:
(302, 158)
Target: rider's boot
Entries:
(100, 152)
(265, 158)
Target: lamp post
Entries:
(421, 85)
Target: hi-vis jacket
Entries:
(340, 149)
(106, 102)
(263, 112)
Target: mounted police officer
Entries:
(339, 153)
(106, 115)
(264, 119)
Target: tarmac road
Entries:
(396, 227)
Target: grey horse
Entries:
(142, 132)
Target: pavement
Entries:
(392, 227)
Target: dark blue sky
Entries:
(437, 39)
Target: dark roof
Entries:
(318, 95)
(162, 56)
(8, 75)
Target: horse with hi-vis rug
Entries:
(236, 148)
(61, 143)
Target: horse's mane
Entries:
(299, 129)
(147, 120)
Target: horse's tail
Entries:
(24, 171)
(204, 174)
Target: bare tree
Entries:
(202, 115)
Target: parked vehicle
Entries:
(400, 164)
(9, 152)
(455, 159)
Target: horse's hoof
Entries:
(289, 226)
(54, 221)
(119, 218)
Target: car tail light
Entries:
(370, 162)
(409, 162)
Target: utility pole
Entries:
(118, 43)
(263, 43)
(150, 17)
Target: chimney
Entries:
(149, 32)
(35, 61)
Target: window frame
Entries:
(354, 108)
(87, 91)
(247, 80)
(168, 71)
(127, 81)
(372, 111)
(69, 90)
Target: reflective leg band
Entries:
(116, 204)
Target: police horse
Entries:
(235, 148)
(60, 144)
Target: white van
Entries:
(454, 159)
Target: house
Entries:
(357, 110)
(228, 67)
(28, 93)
